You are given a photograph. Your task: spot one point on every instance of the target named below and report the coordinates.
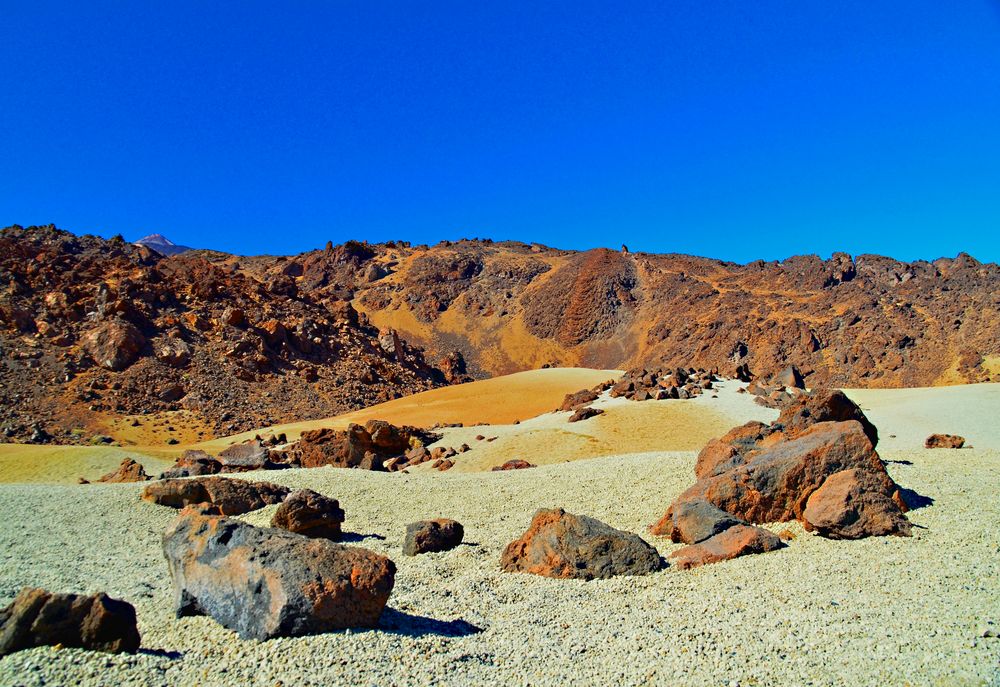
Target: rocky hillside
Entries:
(867, 321)
(92, 329)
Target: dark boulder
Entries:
(560, 544)
(37, 617)
(232, 496)
(429, 536)
(311, 514)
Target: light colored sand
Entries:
(882, 611)
(64, 464)
(972, 411)
(625, 427)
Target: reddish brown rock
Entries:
(944, 441)
(128, 471)
(855, 503)
(516, 464)
(823, 405)
(311, 514)
(429, 536)
(694, 521)
(575, 400)
(584, 414)
(265, 583)
(114, 345)
(739, 540)
(37, 617)
(790, 377)
(193, 463)
(765, 477)
(560, 544)
(232, 496)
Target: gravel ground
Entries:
(887, 611)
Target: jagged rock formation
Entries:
(92, 328)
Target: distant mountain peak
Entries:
(161, 244)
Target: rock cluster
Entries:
(368, 447)
(515, 464)
(37, 617)
(265, 583)
(660, 384)
(816, 464)
(560, 544)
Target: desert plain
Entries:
(919, 610)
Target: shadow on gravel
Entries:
(410, 625)
(357, 536)
(913, 500)
(898, 462)
(160, 653)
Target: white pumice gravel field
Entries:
(881, 611)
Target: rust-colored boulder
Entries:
(114, 344)
(585, 414)
(575, 400)
(851, 504)
(944, 441)
(430, 536)
(232, 496)
(823, 405)
(311, 514)
(560, 544)
(128, 471)
(739, 540)
(37, 617)
(264, 583)
(516, 464)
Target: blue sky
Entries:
(730, 129)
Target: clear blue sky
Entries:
(736, 130)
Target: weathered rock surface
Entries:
(584, 414)
(739, 540)
(697, 520)
(823, 405)
(193, 463)
(232, 496)
(251, 455)
(855, 503)
(429, 536)
(560, 544)
(128, 471)
(114, 344)
(37, 617)
(311, 514)
(266, 583)
(580, 398)
(944, 441)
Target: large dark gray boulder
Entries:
(265, 583)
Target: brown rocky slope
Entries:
(92, 326)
